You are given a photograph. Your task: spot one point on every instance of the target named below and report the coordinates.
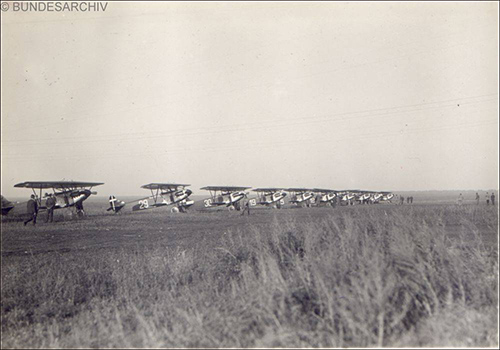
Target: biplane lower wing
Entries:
(146, 203)
(208, 205)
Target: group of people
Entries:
(33, 208)
(488, 198)
(409, 199)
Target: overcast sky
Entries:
(377, 96)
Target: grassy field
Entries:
(361, 276)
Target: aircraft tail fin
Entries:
(115, 204)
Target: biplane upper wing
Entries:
(298, 189)
(163, 186)
(57, 184)
(269, 189)
(323, 190)
(225, 188)
(349, 191)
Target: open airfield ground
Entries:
(420, 275)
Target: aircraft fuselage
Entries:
(272, 198)
(224, 199)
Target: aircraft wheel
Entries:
(174, 210)
(231, 208)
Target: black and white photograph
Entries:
(249, 174)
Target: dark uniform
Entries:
(79, 208)
(246, 207)
(51, 204)
(32, 210)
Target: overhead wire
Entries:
(348, 116)
(247, 143)
(304, 141)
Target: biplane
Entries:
(270, 197)
(162, 195)
(68, 194)
(373, 197)
(363, 197)
(228, 196)
(384, 197)
(301, 196)
(325, 196)
(347, 197)
(367, 197)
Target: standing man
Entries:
(32, 210)
(477, 198)
(402, 200)
(51, 204)
(246, 207)
(460, 199)
(492, 198)
(79, 208)
(487, 199)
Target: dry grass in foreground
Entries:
(412, 277)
